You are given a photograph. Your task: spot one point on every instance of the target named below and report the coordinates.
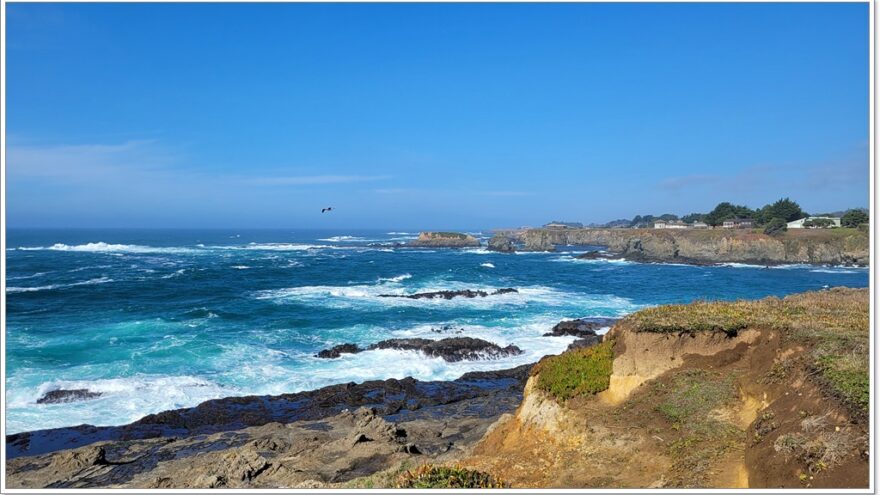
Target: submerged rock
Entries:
(61, 395)
(449, 294)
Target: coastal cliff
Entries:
(444, 239)
(712, 395)
(819, 246)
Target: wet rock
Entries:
(451, 349)
(582, 327)
(61, 395)
(449, 294)
(502, 244)
(336, 351)
(599, 255)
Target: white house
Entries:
(673, 224)
(799, 224)
(737, 223)
(700, 225)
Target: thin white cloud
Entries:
(302, 180)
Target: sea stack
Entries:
(444, 239)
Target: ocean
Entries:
(163, 319)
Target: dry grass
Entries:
(833, 324)
(434, 476)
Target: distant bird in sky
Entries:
(329, 208)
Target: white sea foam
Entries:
(400, 233)
(24, 277)
(175, 274)
(240, 267)
(487, 265)
(834, 270)
(103, 247)
(101, 280)
(343, 238)
(123, 400)
(398, 278)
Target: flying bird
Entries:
(329, 208)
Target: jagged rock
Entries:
(582, 327)
(449, 294)
(62, 395)
(336, 351)
(588, 341)
(502, 244)
(75, 460)
(451, 349)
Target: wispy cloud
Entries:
(301, 180)
(450, 192)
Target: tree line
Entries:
(771, 217)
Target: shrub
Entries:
(578, 372)
(854, 218)
(775, 226)
(432, 476)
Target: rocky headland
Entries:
(771, 393)
(841, 246)
(444, 239)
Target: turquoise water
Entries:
(161, 319)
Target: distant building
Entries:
(564, 225)
(799, 224)
(671, 224)
(737, 223)
(700, 225)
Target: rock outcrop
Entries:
(450, 349)
(502, 244)
(449, 294)
(444, 239)
(62, 395)
(814, 246)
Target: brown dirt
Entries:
(628, 443)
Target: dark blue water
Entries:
(159, 319)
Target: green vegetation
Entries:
(578, 372)
(455, 235)
(775, 226)
(833, 324)
(854, 218)
(820, 223)
(433, 476)
(785, 209)
(725, 211)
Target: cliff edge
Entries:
(770, 394)
(841, 246)
(444, 239)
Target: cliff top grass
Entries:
(582, 371)
(833, 325)
(454, 235)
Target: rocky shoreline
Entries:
(326, 437)
(807, 246)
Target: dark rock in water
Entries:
(502, 244)
(588, 341)
(451, 349)
(336, 351)
(598, 255)
(583, 327)
(60, 396)
(449, 294)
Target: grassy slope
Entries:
(832, 324)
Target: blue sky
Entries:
(427, 115)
